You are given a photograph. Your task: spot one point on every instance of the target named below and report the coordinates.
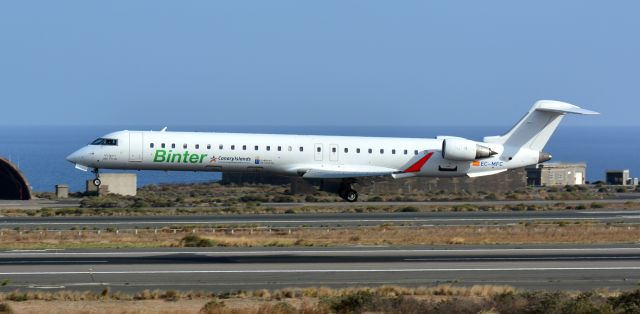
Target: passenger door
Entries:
(136, 143)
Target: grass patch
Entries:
(193, 240)
(238, 236)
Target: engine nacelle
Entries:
(460, 149)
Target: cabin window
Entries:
(244, 147)
(279, 148)
(290, 148)
(358, 150)
(173, 145)
(393, 152)
(333, 149)
(208, 146)
(318, 149)
(370, 150)
(381, 151)
(151, 145)
(197, 146)
(162, 145)
(406, 151)
(301, 148)
(220, 146)
(233, 147)
(255, 147)
(346, 150)
(415, 152)
(268, 148)
(184, 146)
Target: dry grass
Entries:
(260, 301)
(560, 232)
(307, 300)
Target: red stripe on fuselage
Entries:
(418, 165)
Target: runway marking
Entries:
(541, 258)
(298, 271)
(51, 262)
(272, 252)
(45, 287)
(40, 251)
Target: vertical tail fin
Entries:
(536, 127)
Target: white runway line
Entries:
(51, 262)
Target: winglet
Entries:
(418, 165)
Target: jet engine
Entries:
(460, 149)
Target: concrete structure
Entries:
(13, 184)
(617, 177)
(502, 182)
(115, 183)
(633, 182)
(62, 191)
(550, 174)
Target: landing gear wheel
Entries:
(350, 195)
(96, 182)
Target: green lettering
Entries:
(159, 155)
(186, 155)
(202, 157)
(176, 156)
(193, 158)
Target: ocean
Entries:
(40, 151)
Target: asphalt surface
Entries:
(323, 220)
(73, 203)
(530, 267)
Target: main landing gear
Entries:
(347, 193)
(96, 181)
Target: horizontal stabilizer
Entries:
(561, 107)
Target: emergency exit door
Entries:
(333, 152)
(317, 151)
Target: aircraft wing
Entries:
(346, 173)
(363, 172)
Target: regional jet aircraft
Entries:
(337, 163)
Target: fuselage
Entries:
(347, 160)
(280, 154)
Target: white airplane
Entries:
(338, 162)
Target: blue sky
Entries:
(339, 62)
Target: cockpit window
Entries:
(105, 141)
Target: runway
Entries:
(530, 267)
(324, 220)
(620, 198)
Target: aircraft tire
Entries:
(351, 196)
(96, 182)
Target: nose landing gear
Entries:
(96, 181)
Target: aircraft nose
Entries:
(74, 157)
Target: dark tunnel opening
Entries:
(13, 185)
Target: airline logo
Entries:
(169, 156)
(419, 164)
